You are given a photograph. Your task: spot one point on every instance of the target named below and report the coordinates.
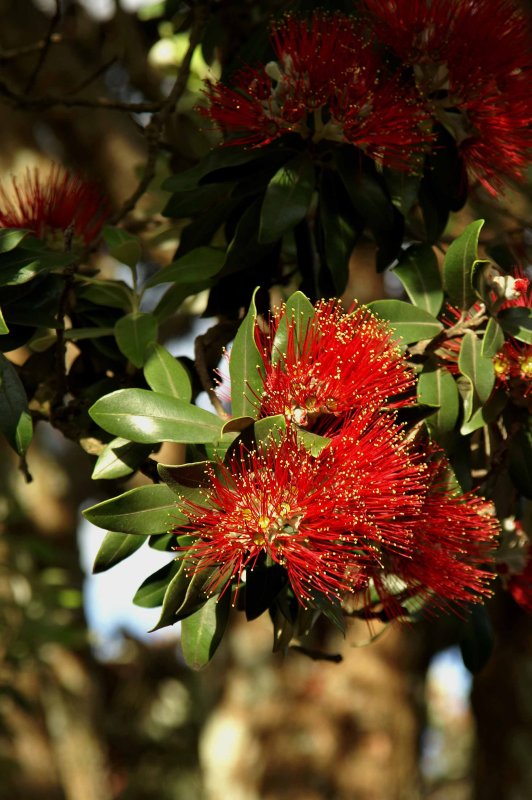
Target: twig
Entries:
(54, 22)
(92, 77)
(28, 49)
(154, 131)
(48, 101)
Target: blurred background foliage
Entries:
(252, 726)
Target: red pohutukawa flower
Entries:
(368, 501)
(453, 541)
(514, 562)
(471, 61)
(326, 83)
(276, 502)
(58, 207)
(331, 365)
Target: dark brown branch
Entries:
(155, 129)
(48, 101)
(54, 22)
(27, 49)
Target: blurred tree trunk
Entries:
(294, 728)
(502, 702)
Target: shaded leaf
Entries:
(194, 268)
(477, 639)
(437, 387)
(123, 246)
(11, 237)
(202, 632)
(493, 339)
(299, 315)
(520, 462)
(418, 272)
(119, 458)
(517, 322)
(15, 419)
(150, 593)
(476, 367)
(458, 266)
(114, 549)
(287, 198)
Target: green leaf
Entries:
(15, 419)
(418, 272)
(73, 334)
(340, 227)
(134, 333)
(437, 387)
(3, 327)
(299, 314)
(476, 367)
(245, 368)
(185, 479)
(165, 374)
(202, 632)
(458, 266)
(142, 511)
(517, 322)
(185, 593)
(215, 160)
(172, 299)
(312, 441)
(477, 416)
(119, 458)
(493, 339)
(11, 237)
(287, 198)
(148, 417)
(123, 246)
(114, 294)
(410, 322)
(114, 549)
(196, 266)
(150, 593)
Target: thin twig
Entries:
(93, 76)
(49, 101)
(54, 22)
(154, 131)
(25, 50)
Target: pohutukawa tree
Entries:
(357, 468)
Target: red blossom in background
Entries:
(326, 83)
(471, 61)
(56, 207)
(338, 363)
(514, 562)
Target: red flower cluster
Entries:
(326, 83)
(514, 563)
(471, 62)
(371, 511)
(57, 207)
(335, 364)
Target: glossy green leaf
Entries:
(115, 548)
(493, 339)
(437, 387)
(476, 415)
(312, 442)
(22, 264)
(287, 198)
(186, 593)
(476, 367)
(410, 322)
(120, 458)
(196, 266)
(299, 315)
(202, 632)
(142, 511)
(185, 479)
(269, 428)
(165, 374)
(458, 266)
(150, 593)
(517, 322)
(418, 272)
(173, 298)
(215, 160)
(15, 419)
(245, 365)
(123, 246)
(73, 334)
(133, 333)
(148, 417)
(3, 327)
(11, 237)
(165, 542)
